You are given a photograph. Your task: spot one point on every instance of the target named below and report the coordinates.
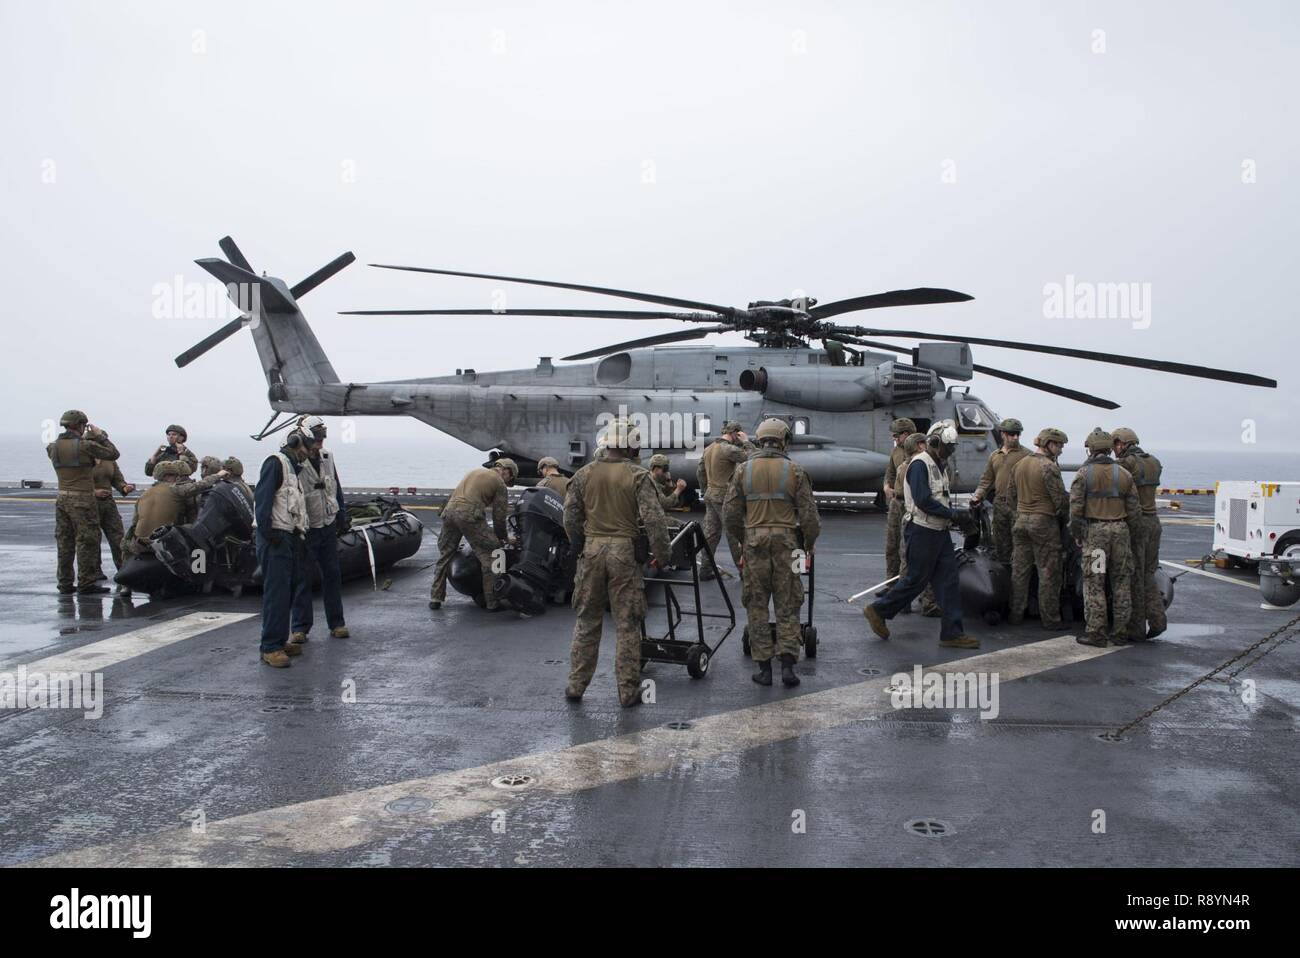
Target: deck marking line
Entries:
(96, 656)
(352, 819)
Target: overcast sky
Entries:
(720, 151)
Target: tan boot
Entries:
(276, 659)
(340, 633)
(962, 641)
(291, 648)
(297, 638)
(876, 622)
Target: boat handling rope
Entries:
(1289, 627)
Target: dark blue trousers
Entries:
(930, 559)
(280, 570)
(323, 550)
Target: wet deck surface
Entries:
(284, 771)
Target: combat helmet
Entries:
(731, 425)
(547, 461)
(902, 427)
(510, 464)
(1125, 435)
(1099, 440)
(659, 460)
(913, 443)
(1011, 425)
(73, 418)
(233, 466)
(180, 430)
(210, 465)
(171, 467)
(621, 434)
(774, 431)
(1051, 434)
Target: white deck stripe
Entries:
(97, 656)
(355, 818)
(1211, 575)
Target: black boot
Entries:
(764, 674)
(788, 676)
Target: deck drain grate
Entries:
(554, 662)
(680, 726)
(513, 783)
(277, 708)
(928, 828)
(219, 648)
(408, 805)
(867, 670)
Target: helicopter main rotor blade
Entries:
(203, 345)
(1162, 365)
(622, 293)
(680, 336)
(898, 297)
(1046, 387)
(575, 313)
(1009, 377)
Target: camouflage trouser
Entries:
(770, 576)
(1037, 545)
(110, 523)
(76, 532)
(929, 604)
(1003, 521)
(608, 576)
(893, 537)
(1107, 553)
(713, 529)
(464, 524)
(1148, 606)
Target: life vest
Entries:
(938, 488)
(319, 491)
(288, 508)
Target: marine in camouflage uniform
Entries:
(713, 475)
(76, 518)
(172, 501)
(668, 489)
(1148, 603)
(929, 603)
(551, 476)
(107, 477)
(1037, 494)
(173, 450)
(605, 500)
(770, 507)
(900, 429)
(996, 484)
(235, 474)
(1103, 507)
(481, 493)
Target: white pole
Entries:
(874, 588)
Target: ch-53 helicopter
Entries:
(839, 400)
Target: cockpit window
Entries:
(974, 417)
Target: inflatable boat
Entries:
(216, 551)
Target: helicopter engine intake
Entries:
(842, 388)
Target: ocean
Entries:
(437, 461)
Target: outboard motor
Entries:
(225, 512)
(543, 551)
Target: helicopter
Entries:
(838, 399)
